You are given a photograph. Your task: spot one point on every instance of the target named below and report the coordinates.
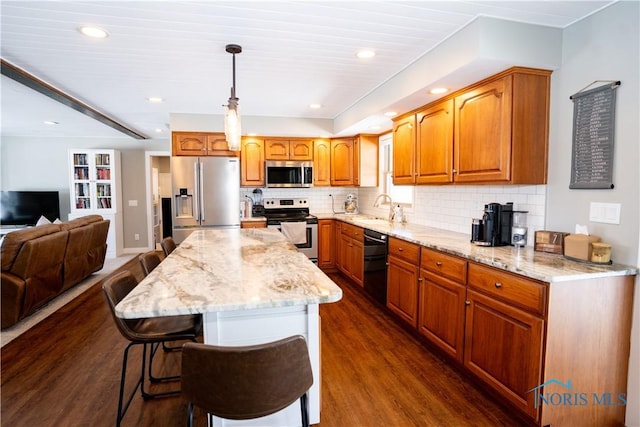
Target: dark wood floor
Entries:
(65, 371)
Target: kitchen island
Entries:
(251, 286)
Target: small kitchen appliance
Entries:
(351, 204)
(494, 229)
(519, 228)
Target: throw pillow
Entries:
(43, 220)
(57, 221)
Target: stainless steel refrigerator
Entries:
(206, 194)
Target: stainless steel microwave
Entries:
(291, 173)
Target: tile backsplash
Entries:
(447, 207)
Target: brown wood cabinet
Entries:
(501, 129)
(354, 161)
(515, 333)
(342, 162)
(402, 280)
(350, 252)
(404, 146)
(326, 246)
(288, 149)
(442, 293)
(434, 144)
(200, 144)
(504, 333)
(252, 163)
(253, 224)
(321, 162)
(495, 131)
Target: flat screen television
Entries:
(26, 207)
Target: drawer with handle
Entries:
(449, 266)
(405, 250)
(511, 288)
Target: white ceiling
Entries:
(294, 53)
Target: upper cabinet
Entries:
(200, 144)
(252, 162)
(354, 161)
(434, 144)
(288, 149)
(495, 131)
(322, 163)
(404, 143)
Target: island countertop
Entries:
(229, 269)
(525, 261)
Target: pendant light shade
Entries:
(232, 129)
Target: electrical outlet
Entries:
(136, 236)
(607, 213)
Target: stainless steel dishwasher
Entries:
(375, 265)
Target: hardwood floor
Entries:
(65, 371)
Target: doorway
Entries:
(158, 195)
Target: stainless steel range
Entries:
(301, 227)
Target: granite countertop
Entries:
(229, 269)
(525, 261)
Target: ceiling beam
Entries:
(33, 82)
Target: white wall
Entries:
(605, 46)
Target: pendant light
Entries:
(232, 116)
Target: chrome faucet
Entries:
(376, 203)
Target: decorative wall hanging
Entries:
(593, 131)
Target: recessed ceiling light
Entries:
(252, 134)
(158, 130)
(155, 99)
(438, 90)
(51, 122)
(365, 53)
(93, 32)
(390, 114)
(375, 127)
(315, 106)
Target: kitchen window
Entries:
(402, 194)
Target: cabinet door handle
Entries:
(498, 285)
(438, 263)
(467, 302)
(419, 279)
(400, 249)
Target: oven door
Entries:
(310, 247)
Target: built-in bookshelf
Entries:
(94, 187)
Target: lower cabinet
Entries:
(253, 224)
(402, 280)
(442, 300)
(350, 253)
(326, 246)
(518, 336)
(503, 347)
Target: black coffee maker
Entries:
(494, 229)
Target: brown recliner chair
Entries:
(32, 270)
(240, 383)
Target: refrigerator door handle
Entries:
(196, 185)
(201, 191)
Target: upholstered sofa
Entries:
(39, 263)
